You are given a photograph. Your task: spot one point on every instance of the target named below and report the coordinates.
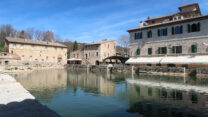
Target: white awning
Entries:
(170, 60)
(185, 60)
(74, 59)
(144, 60)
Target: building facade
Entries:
(94, 53)
(37, 51)
(181, 34)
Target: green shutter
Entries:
(166, 31)
(173, 49)
(158, 32)
(189, 28)
(181, 29)
(180, 49)
(173, 32)
(135, 36)
(138, 51)
(141, 35)
(198, 26)
(149, 51)
(159, 51)
(165, 50)
(194, 48)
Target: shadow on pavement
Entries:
(26, 108)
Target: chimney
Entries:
(141, 24)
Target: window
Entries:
(177, 49)
(194, 48)
(177, 30)
(21, 46)
(194, 27)
(14, 46)
(46, 58)
(138, 51)
(46, 47)
(149, 51)
(22, 57)
(162, 50)
(30, 58)
(138, 35)
(55, 48)
(97, 54)
(149, 34)
(32, 46)
(162, 32)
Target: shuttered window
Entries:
(162, 50)
(138, 51)
(177, 49)
(138, 35)
(194, 48)
(177, 30)
(163, 32)
(195, 27)
(149, 34)
(149, 51)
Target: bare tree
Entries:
(48, 36)
(8, 30)
(38, 35)
(30, 33)
(58, 38)
(123, 42)
(22, 34)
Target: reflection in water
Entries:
(79, 93)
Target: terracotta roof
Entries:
(34, 42)
(169, 23)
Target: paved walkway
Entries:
(16, 101)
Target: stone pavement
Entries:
(16, 101)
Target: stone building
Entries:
(8, 58)
(33, 51)
(94, 53)
(179, 38)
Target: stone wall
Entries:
(39, 53)
(156, 41)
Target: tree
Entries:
(22, 34)
(38, 35)
(48, 36)
(75, 46)
(30, 33)
(123, 42)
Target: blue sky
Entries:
(87, 20)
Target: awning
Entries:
(170, 60)
(144, 60)
(74, 59)
(185, 60)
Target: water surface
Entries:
(88, 94)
